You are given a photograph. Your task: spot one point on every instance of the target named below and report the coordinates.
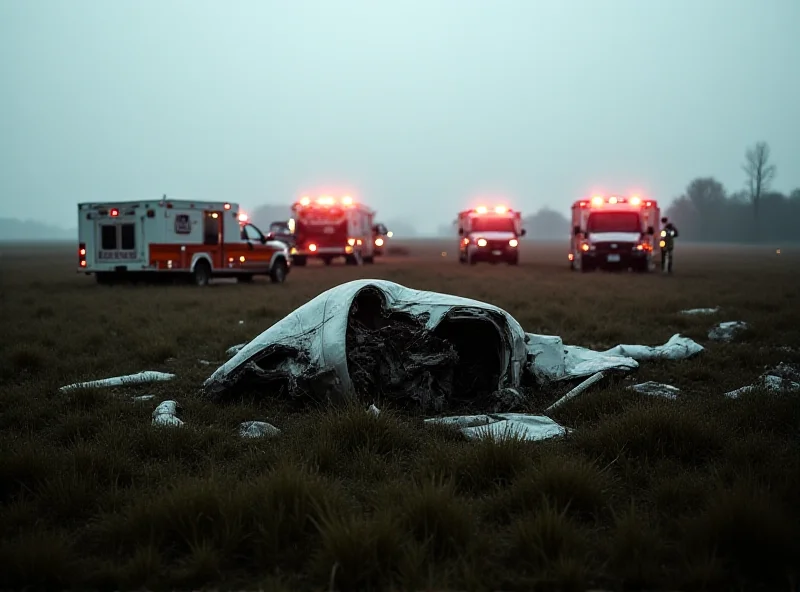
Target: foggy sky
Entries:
(418, 107)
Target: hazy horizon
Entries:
(417, 108)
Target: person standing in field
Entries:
(668, 235)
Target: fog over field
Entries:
(419, 108)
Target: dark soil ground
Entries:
(695, 493)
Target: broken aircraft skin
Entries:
(319, 349)
(378, 339)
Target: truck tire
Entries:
(278, 272)
(202, 273)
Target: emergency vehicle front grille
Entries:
(613, 247)
(496, 244)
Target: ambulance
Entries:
(194, 240)
(329, 227)
(489, 235)
(614, 231)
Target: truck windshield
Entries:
(492, 224)
(613, 222)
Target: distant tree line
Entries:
(707, 212)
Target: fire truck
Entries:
(193, 240)
(329, 227)
(489, 235)
(614, 232)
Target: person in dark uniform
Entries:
(668, 235)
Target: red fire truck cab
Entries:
(196, 240)
(327, 228)
(489, 235)
(614, 232)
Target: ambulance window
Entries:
(108, 237)
(128, 237)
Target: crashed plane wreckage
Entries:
(378, 339)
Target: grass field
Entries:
(695, 493)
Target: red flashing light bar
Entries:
(599, 200)
(326, 200)
(497, 210)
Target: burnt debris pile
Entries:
(394, 356)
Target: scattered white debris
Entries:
(787, 371)
(373, 410)
(143, 398)
(207, 363)
(235, 349)
(258, 429)
(783, 378)
(241, 322)
(701, 311)
(726, 331)
(576, 391)
(140, 378)
(656, 389)
(500, 425)
(677, 348)
(166, 414)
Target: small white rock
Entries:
(258, 429)
(373, 410)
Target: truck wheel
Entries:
(202, 273)
(278, 273)
(299, 260)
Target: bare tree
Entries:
(759, 173)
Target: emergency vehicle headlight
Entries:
(501, 209)
(513, 242)
(348, 250)
(662, 244)
(612, 200)
(482, 242)
(597, 200)
(379, 242)
(294, 250)
(390, 234)
(481, 209)
(312, 247)
(351, 241)
(635, 201)
(663, 233)
(585, 247)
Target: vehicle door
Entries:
(213, 238)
